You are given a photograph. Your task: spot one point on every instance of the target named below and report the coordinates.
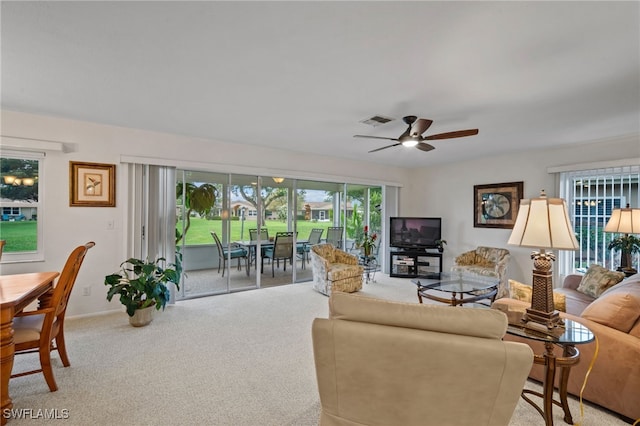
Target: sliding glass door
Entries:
(231, 228)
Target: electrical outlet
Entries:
(86, 291)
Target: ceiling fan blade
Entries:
(451, 135)
(375, 137)
(425, 146)
(385, 147)
(420, 126)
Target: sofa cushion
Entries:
(619, 308)
(598, 279)
(340, 271)
(576, 302)
(523, 292)
(635, 330)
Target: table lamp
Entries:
(543, 223)
(625, 221)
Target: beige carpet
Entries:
(238, 359)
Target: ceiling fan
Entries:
(413, 135)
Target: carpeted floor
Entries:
(236, 359)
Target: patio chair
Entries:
(314, 238)
(36, 331)
(334, 236)
(264, 234)
(253, 236)
(234, 251)
(282, 250)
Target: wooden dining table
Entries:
(16, 293)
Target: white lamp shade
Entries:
(543, 223)
(624, 221)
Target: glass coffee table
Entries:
(463, 289)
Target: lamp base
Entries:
(548, 319)
(542, 310)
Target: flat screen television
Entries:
(415, 232)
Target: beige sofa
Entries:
(390, 363)
(614, 318)
(485, 261)
(334, 269)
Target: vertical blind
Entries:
(591, 196)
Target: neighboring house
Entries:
(321, 211)
(18, 213)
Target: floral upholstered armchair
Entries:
(334, 269)
(487, 262)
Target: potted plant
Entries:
(142, 285)
(628, 245)
(368, 241)
(440, 245)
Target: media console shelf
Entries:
(415, 264)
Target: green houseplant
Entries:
(628, 245)
(143, 284)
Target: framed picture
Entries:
(496, 205)
(92, 184)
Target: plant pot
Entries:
(142, 317)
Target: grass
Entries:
(20, 236)
(200, 231)
(23, 235)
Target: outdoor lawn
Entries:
(22, 235)
(200, 230)
(19, 235)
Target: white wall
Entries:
(447, 191)
(67, 227)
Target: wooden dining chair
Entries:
(37, 330)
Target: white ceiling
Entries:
(302, 75)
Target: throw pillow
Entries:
(523, 292)
(619, 310)
(597, 280)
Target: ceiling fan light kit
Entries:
(413, 135)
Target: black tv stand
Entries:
(415, 263)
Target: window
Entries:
(21, 205)
(592, 195)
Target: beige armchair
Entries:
(334, 269)
(485, 261)
(390, 363)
